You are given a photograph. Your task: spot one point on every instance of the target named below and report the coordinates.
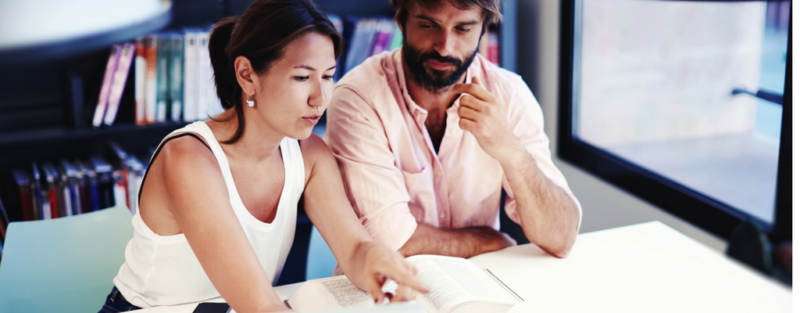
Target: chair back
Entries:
(321, 261)
(63, 265)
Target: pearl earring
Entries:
(250, 102)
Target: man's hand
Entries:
(486, 118)
(378, 264)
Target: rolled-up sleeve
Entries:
(374, 185)
(527, 122)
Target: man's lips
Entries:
(439, 65)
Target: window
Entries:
(680, 103)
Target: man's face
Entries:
(440, 43)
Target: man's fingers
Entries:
(471, 102)
(468, 113)
(467, 125)
(474, 89)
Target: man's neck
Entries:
(435, 102)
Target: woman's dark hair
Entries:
(261, 35)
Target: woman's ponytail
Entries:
(224, 74)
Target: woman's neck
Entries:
(258, 142)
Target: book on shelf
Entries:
(126, 56)
(139, 73)
(41, 203)
(190, 74)
(117, 157)
(90, 194)
(150, 78)
(50, 188)
(164, 45)
(73, 188)
(176, 76)
(23, 197)
(67, 192)
(4, 220)
(456, 286)
(105, 89)
(105, 182)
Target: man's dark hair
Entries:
(491, 8)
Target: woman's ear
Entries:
(245, 74)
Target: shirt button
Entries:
(452, 131)
(441, 214)
(439, 173)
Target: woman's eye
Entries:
(327, 77)
(301, 78)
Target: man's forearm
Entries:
(549, 216)
(463, 242)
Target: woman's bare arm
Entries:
(198, 199)
(365, 263)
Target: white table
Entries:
(646, 267)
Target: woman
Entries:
(218, 203)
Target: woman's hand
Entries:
(375, 264)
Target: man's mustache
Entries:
(438, 58)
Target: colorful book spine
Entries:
(41, 201)
(140, 73)
(108, 77)
(23, 183)
(190, 74)
(75, 179)
(397, 38)
(162, 76)
(4, 220)
(204, 75)
(120, 78)
(176, 76)
(50, 188)
(151, 92)
(493, 48)
(383, 37)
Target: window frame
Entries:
(705, 212)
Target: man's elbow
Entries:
(562, 248)
(562, 252)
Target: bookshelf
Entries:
(46, 106)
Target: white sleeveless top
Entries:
(163, 270)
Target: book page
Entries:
(456, 281)
(329, 293)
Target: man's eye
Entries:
(301, 78)
(462, 29)
(426, 25)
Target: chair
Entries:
(63, 265)
(320, 262)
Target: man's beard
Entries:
(433, 80)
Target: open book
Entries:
(457, 286)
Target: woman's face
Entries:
(292, 95)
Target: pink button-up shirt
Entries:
(393, 176)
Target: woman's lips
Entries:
(312, 119)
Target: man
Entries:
(427, 135)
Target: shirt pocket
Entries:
(421, 193)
